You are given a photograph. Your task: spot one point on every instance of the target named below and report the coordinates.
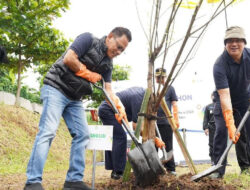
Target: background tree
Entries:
(27, 34)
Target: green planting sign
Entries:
(101, 137)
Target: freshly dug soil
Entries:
(168, 182)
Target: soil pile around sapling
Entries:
(168, 182)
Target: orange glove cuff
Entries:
(122, 114)
(87, 74)
(159, 143)
(175, 114)
(229, 119)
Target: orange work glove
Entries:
(175, 114)
(122, 114)
(159, 143)
(87, 74)
(229, 120)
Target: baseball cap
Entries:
(160, 72)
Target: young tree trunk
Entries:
(151, 122)
(17, 103)
(149, 126)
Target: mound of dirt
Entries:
(169, 182)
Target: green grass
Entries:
(18, 128)
(240, 181)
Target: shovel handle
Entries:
(242, 122)
(116, 111)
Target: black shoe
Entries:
(78, 185)
(33, 186)
(116, 175)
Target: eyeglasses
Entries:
(119, 47)
(234, 40)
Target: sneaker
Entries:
(215, 175)
(33, 186)
(172, 172)
(77, 185)
(116, 175)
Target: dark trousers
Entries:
(116, 159)
(211, 133)
(221, 136)
(167, 137)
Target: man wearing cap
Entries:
(232, 77)
(163, 125)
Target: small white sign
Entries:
(101, 137)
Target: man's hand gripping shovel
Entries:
(167, 156)
(143, 158)
(224, 155)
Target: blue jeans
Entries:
(55, 105)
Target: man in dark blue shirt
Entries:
(131, 98)
(209, 127)
(232, 77)
(88, 59)
(163, 125)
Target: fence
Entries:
(10, 99)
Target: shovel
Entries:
(167, 156)
(143, 158)
(224, 155)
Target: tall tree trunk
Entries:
(17, 103)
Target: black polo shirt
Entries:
(229, 74)
(169, 98)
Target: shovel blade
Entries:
(145, 163)
(167, 157)
(205, 173)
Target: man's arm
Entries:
(225, 99)
(227, 111)
(205, 121)
(205, 118)
(72, 61)
(116, 100)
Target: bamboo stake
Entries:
(184, 150)
(140, 120)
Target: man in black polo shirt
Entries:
(209, 127)
(88, 59)
(232, 77)
(163, 125)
